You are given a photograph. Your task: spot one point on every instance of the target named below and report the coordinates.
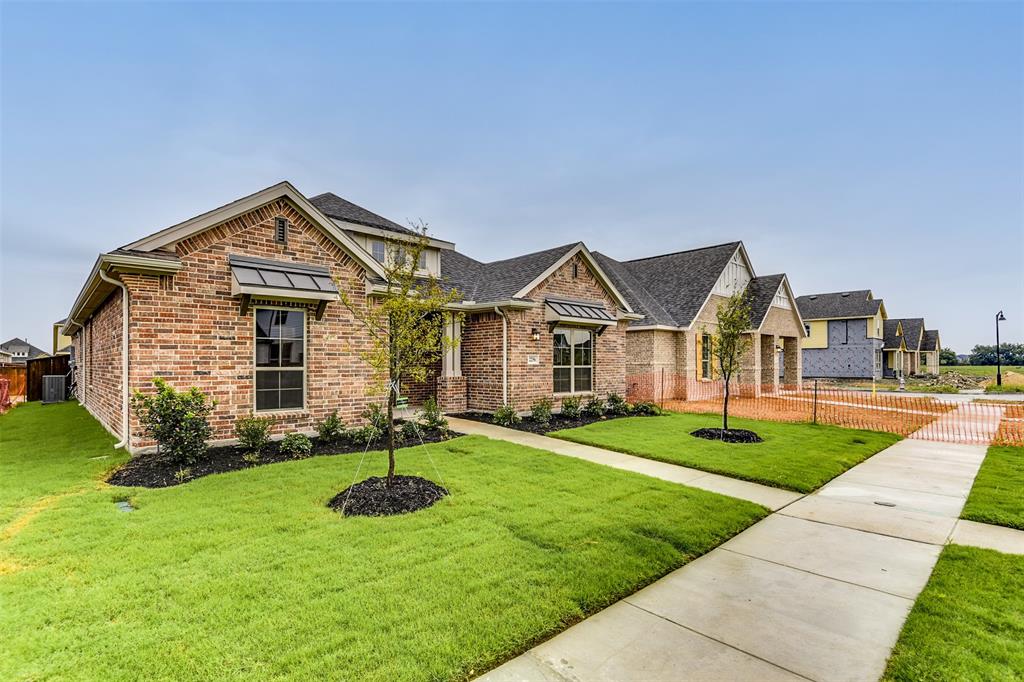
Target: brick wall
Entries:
(98, 363)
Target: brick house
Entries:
(242, 302)
(678, 295)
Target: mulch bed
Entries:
(373, 497)
(156, 471)
(728, 435)
(558, 422)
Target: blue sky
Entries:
(856, 145)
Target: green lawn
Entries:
(799, 457)
(981, 370)
(998, 493)
(968, 623)
(248, 575)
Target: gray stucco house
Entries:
(845, 335)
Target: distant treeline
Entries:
(1009, 354)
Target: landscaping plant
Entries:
(594, 407)
(571, 407)
(253, 433)
(409, 432)
(729, 343)
(431, 417)
(506, 415)
(296, 445)
(540, 411)
(178, 422)
(617, 405)
(331, 429)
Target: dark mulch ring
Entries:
(156, 471)
(373, 497)
(728, 435)
(558, 422)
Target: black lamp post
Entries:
(999, 374)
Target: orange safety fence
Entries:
(915, 416)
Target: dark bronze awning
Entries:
(271, 280)
(588, 313)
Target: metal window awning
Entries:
(587, 313)
(259, 278)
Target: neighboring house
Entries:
(22, 351)
(931, 347)
(903, 340)
(5, 357)
(242, 302)
(678, 295)
(845, 335)
(61, 343)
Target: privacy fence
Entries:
(947, 420)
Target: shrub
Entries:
(331, 429)
(377, 416)
(296, 445)
(646, 409)
(431, 416)
(251, 458)
(253, 433)
(409, 432)
(571, 407)
(617, 405)
(178, 422)
(594, 407)
(182, 475)
(506, 415)
(540, 411)
(364, 435)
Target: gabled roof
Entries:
(639, 298)
(760, 293)
(930, 340)
(333, 206)
(838, 305)
(17, 345)
(913, 331)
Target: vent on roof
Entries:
(813, 298)
(845, 294)
(281, 231)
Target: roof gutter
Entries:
(124, 356)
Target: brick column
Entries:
(750, 365)
(792, 361)
(686, 363)
(769, 363)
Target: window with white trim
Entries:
(706, 346)
(377, 250)
(280, 359)
(573, 360)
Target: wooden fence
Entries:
(16, 375)
(40, 367)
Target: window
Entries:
(807, 329)
(846, 331)
(422, 262)
(377, 250)
(280, 359)
(281, 231)
(878, 362)
(575, 270)
(573, 360)
(705, 356)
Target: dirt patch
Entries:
(557, 423)
(373, 497)
(157, 471)
(728, 435)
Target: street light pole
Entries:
(999, 374)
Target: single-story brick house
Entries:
(242, 302)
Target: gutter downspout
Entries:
(124, 356)
(504, 355)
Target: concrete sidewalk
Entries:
(818, 590)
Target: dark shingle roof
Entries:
(334, 206)
(931, 340)
(682, 281)
(838, 304)
(17, 345)
(500, 280)
(761, 292)
(639, 299)
(912, 328)
(889, 329)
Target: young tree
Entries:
(730, 343)
(947, 356)
(405, 325)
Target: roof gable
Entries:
(333, 206)
(839, 305)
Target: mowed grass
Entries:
(981, 370)
(249, 576)
(998, 493)
(800, 457)
(968, 623)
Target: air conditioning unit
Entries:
(53, 388)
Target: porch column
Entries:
(770, 363)
(451, 385)
(792, 362)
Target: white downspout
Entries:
(504, 355)
(124, 356)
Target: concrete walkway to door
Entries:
(819, 590)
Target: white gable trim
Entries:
(784, 285)
(583, 251)
(742, 250)
(285, 190)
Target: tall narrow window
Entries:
(281, 231)
(573, 360)
(705, 356)
(377, 250)
(280, 359)
(422, 263)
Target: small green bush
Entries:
(365, 435)
(431, 416)
(182, 475)
(506, 415)
(540, 411)
(331, 429)
(251, 458)
(594, 407)
(617, 405)
(646, 409)
(571, 407)
(409, 432)
(253, 433)
(376, 416)
(178, 422)
(296, 445)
